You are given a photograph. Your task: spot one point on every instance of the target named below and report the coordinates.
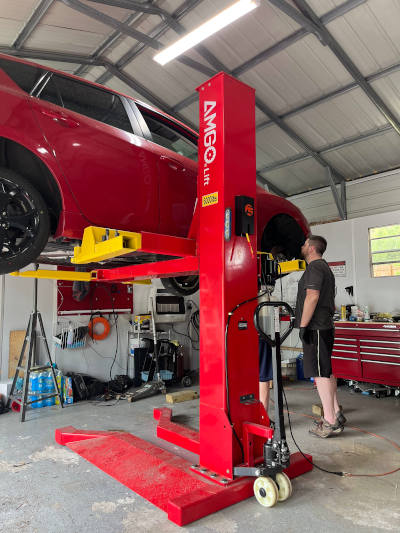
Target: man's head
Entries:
(313, 248)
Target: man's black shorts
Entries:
(317, 353)
(265, 355)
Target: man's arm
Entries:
(310, 303)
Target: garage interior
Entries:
(326, 130)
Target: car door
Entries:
(177, 170)
(93, 134)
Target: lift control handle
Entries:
(258, 327)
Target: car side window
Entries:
(90, 101)
(168, 137)
(25, 76)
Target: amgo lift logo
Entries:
(210, 152)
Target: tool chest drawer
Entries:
(367, 351)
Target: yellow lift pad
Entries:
(63, 275)
(297, 265)
(99, 244)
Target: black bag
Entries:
(3, 408)
(78, 386)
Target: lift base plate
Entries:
(162, 478)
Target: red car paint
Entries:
(107, 176)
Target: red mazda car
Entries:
(74, 154)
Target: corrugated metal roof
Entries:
(364, 197)
(372, 155)
(289, 67)
(345, 116)
(303, 176)
(296, 75)
(273, 145)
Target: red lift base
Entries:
(160, 477)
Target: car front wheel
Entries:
(24, 222)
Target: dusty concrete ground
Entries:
(47, 488)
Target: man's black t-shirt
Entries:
(317, 276)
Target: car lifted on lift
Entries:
(74, 154)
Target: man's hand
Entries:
(304, 335)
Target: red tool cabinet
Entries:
(367, 351)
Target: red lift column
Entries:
(228, 271)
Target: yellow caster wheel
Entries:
(265, 491)
(284, 486)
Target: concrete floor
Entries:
(46, 488)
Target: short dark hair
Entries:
(318, 242)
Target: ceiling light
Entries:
(222, 19)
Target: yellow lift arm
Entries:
(99, 244)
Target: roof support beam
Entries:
(329, 148)
(141, 7)
(31, 24)
(160, 29)
(271, 187)
(113, 23)
(128, 30)
(333, 94)
(293, 135)
(135, 17)
(343, 197)
(280, 46)
(53, 56)
(338, 200)
(298, 17)
(335, 13)
(351, 68)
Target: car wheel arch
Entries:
(22, 160)
(284, 233)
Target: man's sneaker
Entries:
(340, 417)
(340, 420)
(324, 430)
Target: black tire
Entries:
(186, 381)
(24, 222)
(182, 285)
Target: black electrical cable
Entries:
(116, 331)
(226, 364)
(341, 474)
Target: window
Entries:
(82, 98)
(384, 243)
(169, 138)
(25, 76)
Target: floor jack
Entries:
(234, 430)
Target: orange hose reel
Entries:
(106, 328)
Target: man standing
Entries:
(314, 316)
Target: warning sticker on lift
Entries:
(209, 199)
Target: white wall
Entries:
(348, 240)
(96, 358)
(16, 299)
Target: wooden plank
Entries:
(16, 341)
(181, 396)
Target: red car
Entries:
(74, 154)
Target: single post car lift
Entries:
(235, 441)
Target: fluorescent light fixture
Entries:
(222, 19)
